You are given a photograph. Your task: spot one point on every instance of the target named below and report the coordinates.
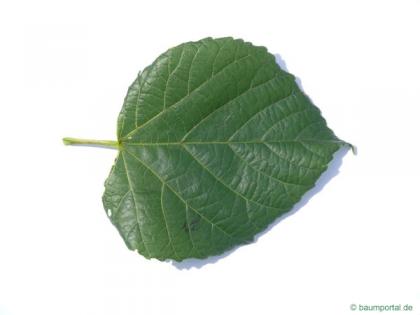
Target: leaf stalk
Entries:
(91, 142)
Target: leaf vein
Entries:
(179, 101)
(166, 222)
(290, 161)
(135, 204)
(179, 196)
(227, 186)
(222, 106)
(264, 108)
(264, 173)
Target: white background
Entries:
(64, 70)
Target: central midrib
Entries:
(231, 142)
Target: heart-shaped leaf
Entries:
(215, 142)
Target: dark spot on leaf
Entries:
(192, 225)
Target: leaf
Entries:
(215, 142)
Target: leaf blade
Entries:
(217, 142)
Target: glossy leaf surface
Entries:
(215, 143)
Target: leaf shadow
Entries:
(282, 64)
(330, 173)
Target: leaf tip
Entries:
(353, 148)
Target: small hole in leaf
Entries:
(109, 212)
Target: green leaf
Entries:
(215, 142)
